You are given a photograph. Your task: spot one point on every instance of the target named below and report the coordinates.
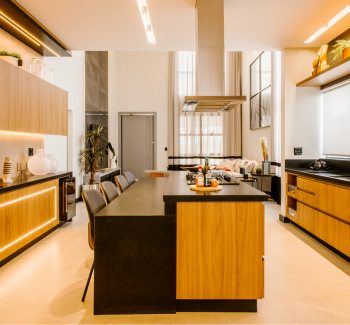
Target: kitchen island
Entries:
(162, 248)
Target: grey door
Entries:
(137, 143)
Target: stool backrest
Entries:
(109, 191)
(94, 203)
(122, 183)
(130, 178)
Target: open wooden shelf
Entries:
(328, 75)
(293, 195)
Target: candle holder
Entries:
(21, 174)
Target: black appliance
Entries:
(67, 198)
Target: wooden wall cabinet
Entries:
(30, 104)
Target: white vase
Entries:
(113, 163)
(39, 164)
(54, 164)
(7, 170)
(10, 59)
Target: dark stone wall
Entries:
(96, 94)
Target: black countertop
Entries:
(177, 190)
(30, 181)
(146, 197)
(331, 175)
(143, 198)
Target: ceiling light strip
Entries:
(329, 24)
(13, 22)
(146, 19)
(19, 30)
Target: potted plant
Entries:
(113, 162)
(258, 170)
(342, 48)
(245, 176)
(241, 169)
(91, 158)
(11, 57)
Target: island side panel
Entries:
(220, 248)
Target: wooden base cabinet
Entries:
(323, 209)
(26, 214)
(220, 248)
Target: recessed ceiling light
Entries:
(146, 19)
(329, 24)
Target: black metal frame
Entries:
(88, 281)
(257, 94)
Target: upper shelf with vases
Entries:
(326, 76)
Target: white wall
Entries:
(70, 76)
(301, 116)
(250, 138)
(138, 82)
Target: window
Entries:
(201, 134)
(336, 121)
(260, 91)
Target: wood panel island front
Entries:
(162, 248)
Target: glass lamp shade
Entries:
(39, 164)
(36, 67)
(49, 74)
(54, 164)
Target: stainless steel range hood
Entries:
(211, 62)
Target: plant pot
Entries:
(113, 164)
(241, 170)
(90, 187)
(346, 53)
(245, 176)
(258, 172)
(10, 59)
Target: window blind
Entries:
(336, 121)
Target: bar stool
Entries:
(109, 191)
(122, 183)
(130, 177)
(94, 203)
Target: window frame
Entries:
(258, 93)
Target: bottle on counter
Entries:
(200, 178)
(207, 173)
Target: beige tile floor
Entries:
(305, 283)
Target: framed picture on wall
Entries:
(260, 91)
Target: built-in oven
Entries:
(67, 208)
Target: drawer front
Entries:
(306, 185)
(306, 217)
(333, 232)
(306, 197)
(334, 200)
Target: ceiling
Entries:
(116, 25)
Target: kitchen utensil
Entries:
(317, 164)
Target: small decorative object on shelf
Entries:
(1, 182)
(241, 169)
(245, 176)
(342, 48)
(39, 164)
(265, 164)
(7, 170)
(36, 67)
(11, 57)
(113, 160)
(320, 63)
(258, 170)
(54, 164)
(21, 174)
